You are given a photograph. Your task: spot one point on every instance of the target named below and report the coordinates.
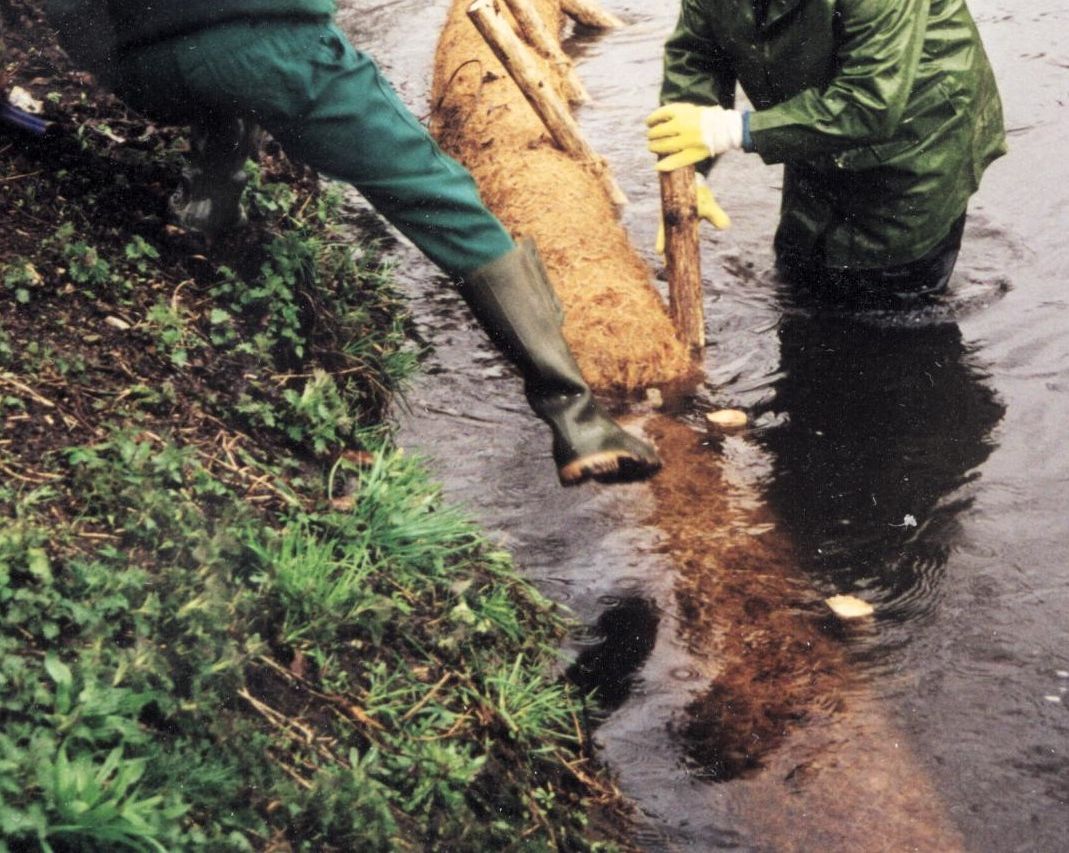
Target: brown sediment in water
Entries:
(743, 609)
(814, 762)
(615, 320)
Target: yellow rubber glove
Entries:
(685, 134)
(709, 209)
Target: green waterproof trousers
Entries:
(328, 107)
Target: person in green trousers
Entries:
(226, 66)
(885, 114)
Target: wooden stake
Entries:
(540, 37)
(680, 211)
(522, 67)
(590, 14)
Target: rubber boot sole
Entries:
(608, 466)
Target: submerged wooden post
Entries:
(538, 35)
(679, 209)
(524, 70)
(590, 14)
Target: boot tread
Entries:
(608, 466)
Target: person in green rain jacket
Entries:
(226, 66)
(885, 114)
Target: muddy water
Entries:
(917, 463)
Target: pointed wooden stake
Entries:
(525, 72)
(538, 35)
(590, 14)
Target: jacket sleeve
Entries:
(696, 70)
(877, 60)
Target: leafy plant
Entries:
(325, 590)
(99, 804)
(21, 276)
(174, 335)
(85, 265)
(141, 253)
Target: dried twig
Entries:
(12, 382)
(415, 709)
(35, 477)
(19, 177)
(292, 728)
(348, 710)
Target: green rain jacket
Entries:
(884, 113)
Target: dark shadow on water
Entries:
(879, 422)
(882, 419)
(625, 635)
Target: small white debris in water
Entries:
(849, 607)
(1057, 700)
(907, 521)
(1062, 673)
(727, 420)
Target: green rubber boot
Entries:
(514, 302)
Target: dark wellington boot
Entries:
(208, 199)
(514, 302)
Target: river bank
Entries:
(235, 615)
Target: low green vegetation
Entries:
(349, 678)
(233, 614)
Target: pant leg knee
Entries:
(357, 130)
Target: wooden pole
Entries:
(680, 211)
(540, 37)
(524, 70)
(590, 14)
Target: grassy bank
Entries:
(233, 615)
